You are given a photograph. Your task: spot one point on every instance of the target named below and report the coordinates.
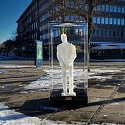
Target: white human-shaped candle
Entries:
(66, 54)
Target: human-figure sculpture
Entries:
(66, 54)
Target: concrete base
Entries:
(81, 98)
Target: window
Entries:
(94, 32)
(111, 8)
(119, 9)
(110, 20)
(118, 21)
(80, 32)
(71, 18)
(122, 21)
(86, 7)
(102, 20)
(114, 21)
(106, 33)
(98, 7)
(103, 8)
(114, 33)
(110, 33)
(55, 33)
(36, 24)
(98, 20)
(67, 18)
(102, 33)
(98, 33)
(107, 8)
(94, 19)
(123, 9)
(106, 20)
(118, 33)
(115, 8)
(122, 33)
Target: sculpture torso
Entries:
(66, 54)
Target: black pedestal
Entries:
(81, 98)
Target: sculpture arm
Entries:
(72, 56)
(59, 57)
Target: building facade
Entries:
(109, 24)
(28, 30)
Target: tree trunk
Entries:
(90, 15)
(64, 8)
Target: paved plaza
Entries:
(106, 96)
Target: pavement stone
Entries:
(104, 105)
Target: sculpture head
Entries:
(64, 38)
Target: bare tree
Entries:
(80, 8)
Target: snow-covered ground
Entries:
(10, 117)
(43, 83)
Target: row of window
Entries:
(96, 33)
(44, 36)
(28, 12)
(33, 7)
(33, 26)
(25, 23)
(98, 20)
(108, 33)
(45, 0)
(44, 17)
(43, 27)
(45, 6)
(33, 36)
(114, 21)
(111, 8)
(29, 28)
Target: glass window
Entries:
(103, 7)
(93, 33)
(94, 19)
(107, 8)
(71, 18)
(119, 9)
(118, 21)
(72, 4)
(102, 33)
(86, 7)
(122, 33)
(110, 20)
(57, 33)
(122, 21)
(102, 20)
(67, 18)
(106, 20)
(111, 8)
(110, 33)
(98, 7)
(97, 32)
(114, 21)
(118, 33)
(98, 20)
(106, 33)
(114, 33)
(123, 9)
(115, 8)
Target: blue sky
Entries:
(10, 11)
